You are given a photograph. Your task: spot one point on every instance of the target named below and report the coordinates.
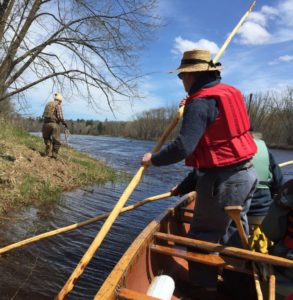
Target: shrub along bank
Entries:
(28, 178)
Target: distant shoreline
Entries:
(281, 147)
(272, 146)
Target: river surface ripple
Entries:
(40, 270)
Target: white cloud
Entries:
(258, 18)
(286, 58)
(268, 25)
(286, 12)
(253, 34)
(283, 58)
(182, 45)
(269, 11)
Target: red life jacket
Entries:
(227, 140)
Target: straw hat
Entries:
(197, 61)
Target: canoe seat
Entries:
(185, 219)
(190, 254)
(185, 215)
(127, 294)
(208, 259)
(228, 251)
(186, 209)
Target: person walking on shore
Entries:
(53, 117)
(214, 138)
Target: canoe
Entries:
(164, 248)
(141, 262)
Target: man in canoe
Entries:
(270, 180)
(53, 117)
(214, 138)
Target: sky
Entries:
(258, 59)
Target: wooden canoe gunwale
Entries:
(117, 277)
(120, 271)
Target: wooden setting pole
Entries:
(228, 40)
(78, 225)
(215, 60)
(286, 163)
(272, 284)
(128, 191)
(234, 213)
(100, 236)
(112, 217)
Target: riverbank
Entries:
(28, 178)
(281, 147)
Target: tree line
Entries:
(147, 125)
(271, 114)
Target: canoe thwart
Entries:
(187, 209)
(207, 259)
(226, 250)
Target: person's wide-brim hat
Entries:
(197, 61)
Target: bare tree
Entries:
(86, 45)
(6, 108)
(271, 113)
(259, 107)
(284, 115)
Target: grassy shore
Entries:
(27, 178)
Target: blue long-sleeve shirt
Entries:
(198, 115)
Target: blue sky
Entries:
(259, 58)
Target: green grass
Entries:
(14, 134)
(86, 164)
(49, 193)
(26, 187)
(32, 188)
(35, 180)
(89, 172)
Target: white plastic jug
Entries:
(162, 287)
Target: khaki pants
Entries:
(51, 136)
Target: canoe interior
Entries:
(139, 265)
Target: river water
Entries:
(40, 270)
